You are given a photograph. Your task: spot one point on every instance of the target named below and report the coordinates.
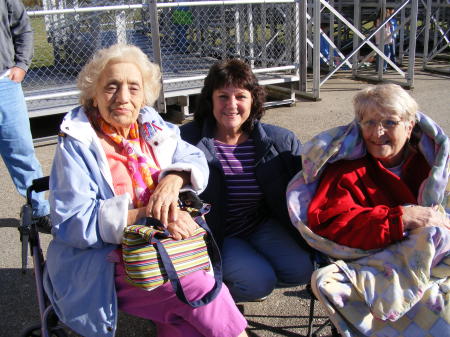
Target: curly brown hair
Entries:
(236, 73)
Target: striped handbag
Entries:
(151, 257)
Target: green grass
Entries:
(43, 51)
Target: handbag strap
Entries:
(214, 254)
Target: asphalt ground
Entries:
(285, 312)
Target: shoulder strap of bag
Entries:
(216, 261)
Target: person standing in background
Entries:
(393, 25)
(385, 32)
(16, 144)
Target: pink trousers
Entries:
(173, 318)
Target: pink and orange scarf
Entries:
(142, 168)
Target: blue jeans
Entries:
(387, 52)
(392, 52)
(16, 144)
(252, 267)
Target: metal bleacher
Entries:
(277, 37)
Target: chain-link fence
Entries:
(186, 38)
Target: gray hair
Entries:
(385, 97)
(90, 74)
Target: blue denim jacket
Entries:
(79, 279)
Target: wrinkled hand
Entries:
(183, 227)
(163, 203)
(418, 216)
(16, 74)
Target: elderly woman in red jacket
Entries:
(371, 202)
(374, 195)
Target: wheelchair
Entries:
(49, 325)
(319, 260)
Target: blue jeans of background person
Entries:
(16, 144)
(387, 52)
(253, 266)
(392, 52)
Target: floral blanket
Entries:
(401, 290)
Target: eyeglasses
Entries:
(387, 124)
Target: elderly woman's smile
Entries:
(120, 95)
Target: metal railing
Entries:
(277, 37)
(185, 38)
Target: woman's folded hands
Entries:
(415, 216)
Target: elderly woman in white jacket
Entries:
(116, 162)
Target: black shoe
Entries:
(281, 284)
(43, 224)
(260, 299)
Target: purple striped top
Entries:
(244, 196)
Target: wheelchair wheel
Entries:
(32, 331)
(58, 333)
(35, 331)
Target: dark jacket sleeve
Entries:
(21, 33)
(214, 193)
(191, 132)
(292, 156)
(278, 167)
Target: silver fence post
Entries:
(435, 30)
(339, 27)
(156, 47)
(120, 22)
(297, 38)
(303, 45)
(316, 50)
(427, 34)
(309, 32)
(331, 57)
(401, 51)
(251, 37)
(412, 44)
(382, 39)
(223, 32)
(356, 39)
(264, 37)
(237, 27)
